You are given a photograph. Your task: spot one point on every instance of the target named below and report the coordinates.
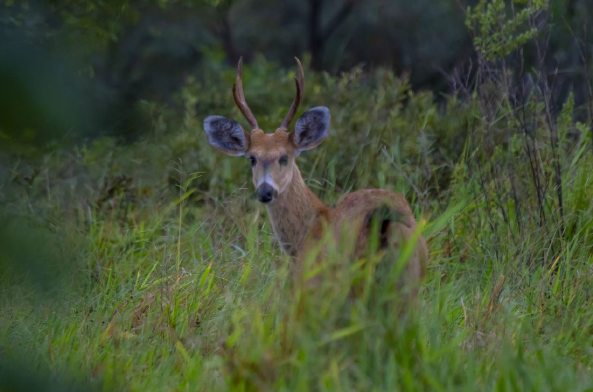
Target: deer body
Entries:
(298, 219)
(297, 216)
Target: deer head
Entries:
(272, 155)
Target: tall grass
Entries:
(172, 280)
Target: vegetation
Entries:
(148, 266)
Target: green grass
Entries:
(194, 296)
(150, 267)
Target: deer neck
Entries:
(294, 213)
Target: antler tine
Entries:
(300, 91)
(240, 97)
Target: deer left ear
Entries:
(226, 135)
(311, 128)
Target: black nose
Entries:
(265, 193)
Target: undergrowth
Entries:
(155, 269)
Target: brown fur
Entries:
(267, 149)
(299, 218)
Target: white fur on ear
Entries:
(312, 128)
(226, 135)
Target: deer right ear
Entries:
(226, 135)
(311, 128)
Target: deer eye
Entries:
(253, 161)
(283, 160)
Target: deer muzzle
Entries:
(266, 193)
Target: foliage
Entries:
(173, 280)
(496, 34)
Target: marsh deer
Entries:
(298, 217)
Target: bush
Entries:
(176, 281)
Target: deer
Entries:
(298, 217)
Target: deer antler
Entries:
(240, 97)
(300, 90)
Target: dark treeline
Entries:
(149, 266)
(146, 49)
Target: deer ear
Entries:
(226, 135)
(311, 128)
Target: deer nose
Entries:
(265, 193)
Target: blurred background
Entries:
(92, 61)
(105, 171)
(87, 63)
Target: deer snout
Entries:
(266, 193)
